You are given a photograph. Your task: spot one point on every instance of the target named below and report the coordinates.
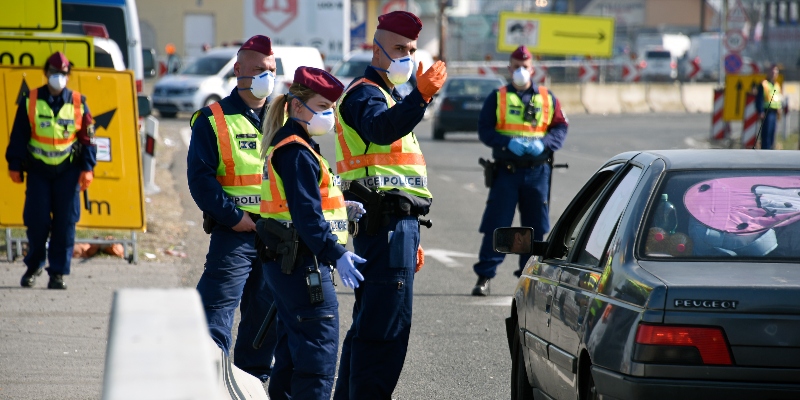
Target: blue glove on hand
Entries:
(347, 270)
(517, 146)
(355, 210)
(535, 147)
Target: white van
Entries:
(210, 78)
(121, 19)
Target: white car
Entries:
(356, 63)
(659, 64)
(210, 78)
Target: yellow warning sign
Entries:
(556, 34)
(115, 200)
(31, 16)
(736, 89)
(33, 50)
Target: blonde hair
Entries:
(275, 117)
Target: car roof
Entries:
(222, 51)
(723, 158)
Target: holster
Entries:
(373, 200)
(208, 223)
(286, 246)
(489, 171)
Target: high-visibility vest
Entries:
(239, 169)
(384, 167)
(772, 95)
(273, 195)
(511, 110)
(52, 136)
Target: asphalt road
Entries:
(52, 344)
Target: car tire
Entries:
(591, 389)
(521, 389)
(438, 134)
(167, 114)
(211, 100)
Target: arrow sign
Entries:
(104, 119)
(446, 256)
(600, 36)
(738, 95)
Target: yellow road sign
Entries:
(736, 89)
(116, 197)
(31, 16)
(34, 50)
(556, 34)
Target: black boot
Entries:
(56, 282)
(481, 287)
(29, 278)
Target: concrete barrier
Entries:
(665, 97)
(633, 98)
(601, 99)
(569, 96)
(792, 91)
(698, 97)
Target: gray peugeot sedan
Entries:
(672, 274)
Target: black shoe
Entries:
(56, 282)
(481, 287)
(29, 278)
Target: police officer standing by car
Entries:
(301, 198)
(380, 162)
(523, 124)
(52, 139)
(224, 173)
(769, 102)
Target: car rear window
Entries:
(658, 54)
(206, 66)
(475, 87)
(725, 215)
(352, 68)
(111, 16)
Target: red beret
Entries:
(259, 43)
(521, 53)
(58, 61)
(402, 23)
(320, 81)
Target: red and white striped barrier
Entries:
(750, 122)
(631, 71)
(539, 74)
(695, 68)
(720, 129)
(588, 72)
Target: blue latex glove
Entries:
(355, 210)
(347, 270)
(517, 146)
(535, 147)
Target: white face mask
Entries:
(321, 122)
(262, 85)
(57, 81)
(521, 76)
(400, 69)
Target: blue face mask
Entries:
(262, 84)
(321, 122)
(400, 69)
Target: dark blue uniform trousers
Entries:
(233, 274)
(57, 194)
(527, 187)
(768, 130)
(374, 349)
(308, 335)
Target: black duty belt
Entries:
(254, 217)
(520, 164)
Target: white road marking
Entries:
(186, 136)
(446, 256)
(504, 301)
(470, 187)
(446, 178)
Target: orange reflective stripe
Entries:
(503, 92)
(545, 109)
(33, 97)
(522, 127)
(239, 180)
(224, 138)
(368, 160)
(76, 105)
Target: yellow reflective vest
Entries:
(273, 195)
(511, 110)
(52, 136)
(383, 167)
(773, 99)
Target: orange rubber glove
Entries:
(86, 179)
(432, 80)
(420, 259)
(16, 176)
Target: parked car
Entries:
(659, 65)
(671, 275)
(459, 103)
(210, 78)
(356, 62)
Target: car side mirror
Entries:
(145, 105)
(149, 62)
(518, 241)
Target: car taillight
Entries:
(673, 64)
(447, 105)
(671, 344)
(643, 64)
(138, 86)
(96, 30)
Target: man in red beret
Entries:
(376, 148)
(530, 127)
(53, 140)
(224, 173)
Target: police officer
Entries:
(376, 147)
(224, 173)
(523, 124)
(300, 190)
(769, 101)
(53, 140)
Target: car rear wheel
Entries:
(438, 134)
(521, 389)
(167, 114)
(211, 100)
